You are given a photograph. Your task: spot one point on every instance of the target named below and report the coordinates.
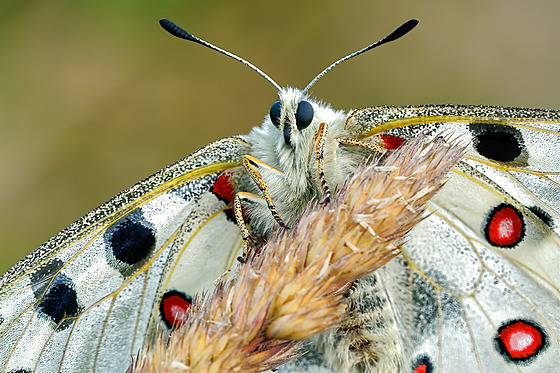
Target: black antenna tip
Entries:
(175, 30)
(402, 30)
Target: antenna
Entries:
(401, 31)
(175, 30)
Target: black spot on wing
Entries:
(129, 242)
(132, 241)
(500, 143)
(542, 215)
(450, 306)
(20, 371)
(60, 300)
(425, 307)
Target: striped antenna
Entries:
(175, 30)
(401, 31)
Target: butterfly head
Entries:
(292, 114)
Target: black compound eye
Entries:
(304, 115)
(275, 113)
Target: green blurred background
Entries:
(95, 96)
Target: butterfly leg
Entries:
(320, 141)
(238, 213)
(252, 165)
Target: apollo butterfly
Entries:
(475, 289)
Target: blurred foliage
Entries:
(95, 96)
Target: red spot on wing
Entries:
(391, 142)
(223, 187)
(174, 308)
(421, 369)
(505, 226)
(520, 340)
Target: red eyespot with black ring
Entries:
(174, 308)
(505, 226)
(519, 341)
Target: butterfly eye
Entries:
(275, 113)
(304, 115)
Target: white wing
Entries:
(89, 298)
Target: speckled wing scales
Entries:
(482, 270)
(88, 298)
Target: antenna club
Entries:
(402, 30)
(175, 30)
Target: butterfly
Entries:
(476, 283)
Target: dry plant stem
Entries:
(296, 287)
